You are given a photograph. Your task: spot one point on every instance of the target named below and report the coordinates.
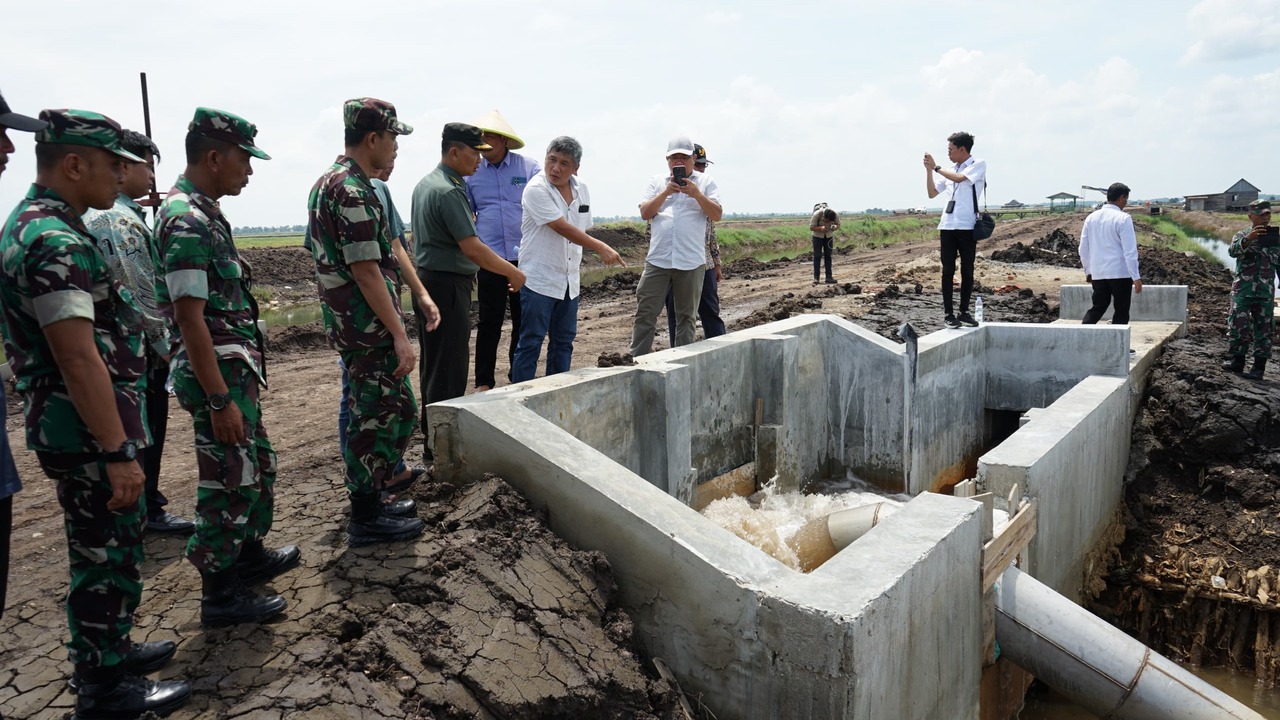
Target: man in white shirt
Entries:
(1109, 255)
(556, 214)
(677, 206)
(961, 185)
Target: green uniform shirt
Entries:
(51, 270)
(348, 224)
(198, 258)
(442, 218)
(1255, 276)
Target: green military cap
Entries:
(81, 127)
(229, 128)
(372, 115)
(1257, 207)
(464, 133)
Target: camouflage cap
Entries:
(15, 121)
(229, 128)
(1257, 207)
(81, 127)
(464, 133)
(372, 115)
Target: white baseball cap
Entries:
(680, 145)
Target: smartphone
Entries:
(951, 205)
(679, 173)
(1271, 238)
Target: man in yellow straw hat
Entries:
(494, 191)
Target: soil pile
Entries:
(781, 309)
(1057, 248)
(619, 237)
(623, 283)
(296, 338)
(280, 266)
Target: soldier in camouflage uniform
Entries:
(74, 337)
(1253, 292)
(358, 275)
(202, 287)
(10, 483)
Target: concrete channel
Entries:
(900, 623)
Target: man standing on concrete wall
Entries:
(1253, 292)
(677, 204)
(495, 191)
(1109, 255)
(960, 185)
(125, 240)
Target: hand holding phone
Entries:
(1271, 238)
(678, 175)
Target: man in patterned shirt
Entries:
(202, 287)
(125, 240)
(75, 339)
(358, 275)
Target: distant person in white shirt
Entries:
(556, 212)
(677, 205)
(961, 185)
(1109, 254)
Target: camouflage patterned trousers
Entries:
(383, 415)
(235, 499)
(105, 552)
(1251, 320)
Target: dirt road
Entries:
(488, 614)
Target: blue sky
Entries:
(796, 102)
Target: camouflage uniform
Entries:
(1252, 317)
(198, 259)
(50, 271)
(348, 224)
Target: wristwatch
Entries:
(128, 452)
(219, 401)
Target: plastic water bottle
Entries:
(977, 309)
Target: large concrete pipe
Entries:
(1094, 664)
(820, 539)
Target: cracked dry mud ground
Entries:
(488, 614)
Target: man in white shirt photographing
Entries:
(961, 183)
(1109, 255)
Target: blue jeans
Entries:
(541, 316)
(344, 418)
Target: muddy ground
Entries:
(490, 615)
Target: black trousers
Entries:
(1105, 292)
(491, 293)
(965, 245)
(822, 251)
(6, 526)
(157, 400)
(445, 351)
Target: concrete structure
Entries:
(1156, 303)
(892, 625)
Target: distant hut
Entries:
(1236, 197)
(1062, 202)
(1014, 204)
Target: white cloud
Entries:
(723, 18)
(1233, 30)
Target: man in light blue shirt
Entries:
(494, 192)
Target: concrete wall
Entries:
(752, 638)
(1156, 303)
(1031, 365)
(947, 408)
(1071, 455)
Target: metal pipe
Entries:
(1094, 664)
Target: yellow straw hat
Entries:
(494, 122)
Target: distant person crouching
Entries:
(556, 214)
(823, 225)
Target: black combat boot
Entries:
(371, 524)
(1234, 364)
(111, 694)
(142, 659)
(1255, 372)
(401, 507)
(257, 564)
(227, 601)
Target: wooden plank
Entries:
(1000, 552)
(1015, 495)
(988, 501)
(964, 489)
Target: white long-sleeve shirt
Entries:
(1108, 246)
